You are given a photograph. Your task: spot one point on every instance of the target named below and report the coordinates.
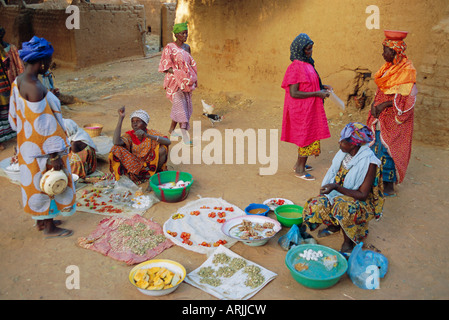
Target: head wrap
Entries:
(35, 49)
(180, 27)
(142, 115)
(75, 133)
(356, 133)
(297, 49)
(399, 46)
(399, 76)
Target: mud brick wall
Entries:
(432, 105)
(244, 46)
(107, 32)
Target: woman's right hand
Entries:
(121, 111)
(323, 94)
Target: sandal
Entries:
(307, 177)
(174, 134)
(307, 168)
(63, 234)
(324, 233)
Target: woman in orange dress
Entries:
(392, 113)
(138, 153)
(42, 144)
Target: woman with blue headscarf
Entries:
(352, 190)
(42, 144)
(304, 120)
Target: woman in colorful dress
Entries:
(351, 194)
(392, 112)
(180, 80)
(42, 144)
(83, 151)
(140, 152)
(10, 67)
(304, 120)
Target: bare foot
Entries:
(52, 231)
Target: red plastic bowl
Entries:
(395, 34)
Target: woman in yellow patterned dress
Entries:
(352, 190)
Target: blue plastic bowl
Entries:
(257, 206)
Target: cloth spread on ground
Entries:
(228, 276)
(130, 240)
(197, 225)
(120, 198)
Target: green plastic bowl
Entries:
(171, 195)
(286, 221)
(316, 276)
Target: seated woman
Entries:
(352, 190)
(83, 157)
(138, 153)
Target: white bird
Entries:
(207, 112)
(208, 109)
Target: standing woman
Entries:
(304, 121)
(392, 112)
(42, 144)
(10, 67)
(180, 79)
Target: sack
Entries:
(366, 267)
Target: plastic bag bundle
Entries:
(366, 267)
(295, 236)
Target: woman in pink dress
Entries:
(180, 79)
(304, 121)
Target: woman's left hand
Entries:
(327, 87)
(140, 134)
(56, 163)
(326, 189)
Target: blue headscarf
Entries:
(297, 49)
(356, 133)
(36, 49)
(297, 52)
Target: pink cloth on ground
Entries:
(107, 240)
(304, 120)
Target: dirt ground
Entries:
(412, 233)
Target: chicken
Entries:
(207, 112)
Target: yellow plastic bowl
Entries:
(173, 266)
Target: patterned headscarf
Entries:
(36, 49)
(297, 49)
(180, 27)
(398, 46)
(141, 114)
(356, 133)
